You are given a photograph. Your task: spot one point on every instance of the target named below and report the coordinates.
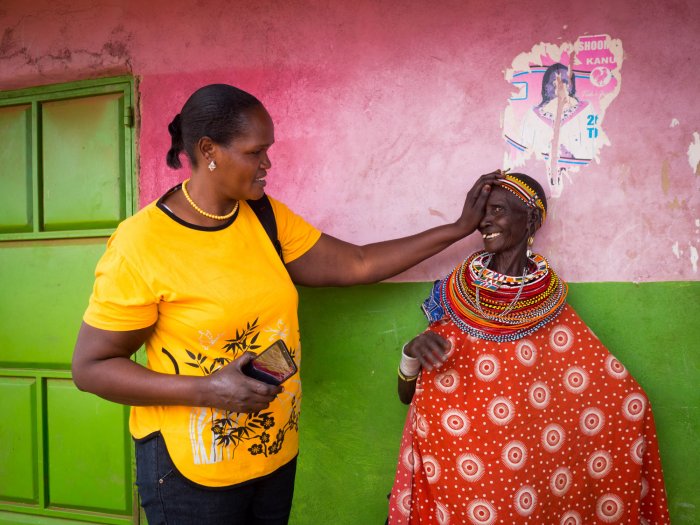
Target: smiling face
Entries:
(505, 225)
(242, 165)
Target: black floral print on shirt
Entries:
(236, 428)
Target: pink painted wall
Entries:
(386, 111)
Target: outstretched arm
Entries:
(332, 262)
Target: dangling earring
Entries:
(530, 240)
(212, 166)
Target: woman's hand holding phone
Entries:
(229, 388)
(274, 365)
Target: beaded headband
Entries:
(524, 192)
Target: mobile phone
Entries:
(274, 365)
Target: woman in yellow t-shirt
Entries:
(198, 279)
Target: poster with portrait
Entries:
(558, 103)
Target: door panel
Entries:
(15, 169)
(18, 454)
(44, 300)
(89, 455)
(82, 158)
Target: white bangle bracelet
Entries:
(409, 366)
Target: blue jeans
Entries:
(168, 498)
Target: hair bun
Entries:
(173, 156)
(175, 127)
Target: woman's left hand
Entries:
(429, 348)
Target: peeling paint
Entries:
(7, 43)
(674, 123)
(115, 52)
(676, 204)
(437, 213)
(665, 177)
(694, 153)
(694, 258)
(676, 250)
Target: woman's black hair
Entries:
(216, 111)
(548, 92)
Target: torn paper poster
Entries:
(560, 96)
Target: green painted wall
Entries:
(352, 419)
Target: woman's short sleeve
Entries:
(121, 300)
(295, 234)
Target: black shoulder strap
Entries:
(265, 214)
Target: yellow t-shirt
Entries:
(213, 293)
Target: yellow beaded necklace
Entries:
(200, 210)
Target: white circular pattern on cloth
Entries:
(525, 501)
(633, 406)
(576, 380)
(442, 514)
(432, 469)
(487, 367)
(591, 421)
(526, 352)
(514, 455)
(645, 488)
(614, 368)
(609, 508)
(481, 512)
(638, 449)
(410, 459)
(561, 338)
(560, 481)
(539, 395)
(455, 422)
(453, 347)
(404, 502)
(447, 382)
(470, 467)
(599, 464)
(553, 437)
(571, 517)
(422, 427)
(500, 411)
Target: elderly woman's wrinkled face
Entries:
(504, 226)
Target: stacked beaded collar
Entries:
(524, 192)
(496, 307)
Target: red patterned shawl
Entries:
(549, 429)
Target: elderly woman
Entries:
(518, 412)
(204, 277)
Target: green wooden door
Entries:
(66, 168)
